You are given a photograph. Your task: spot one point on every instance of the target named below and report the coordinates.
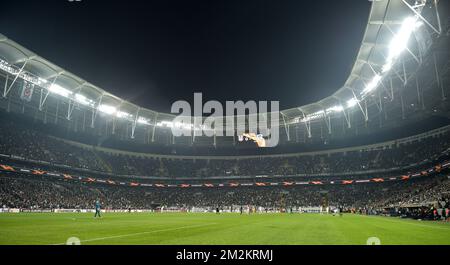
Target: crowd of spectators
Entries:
(20, 141)
(33, 145)
(19, 191)
(415, 198)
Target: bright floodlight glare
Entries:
(42, 80)
(162, 123)
(400, 41)
(338, 108)
(387, 67)
(171, 124)
(57, 89)
(143, 120)
(352, 102)
(122, 114)
(165, 124)
(82, 99)
(107, 109)
(312, 116)
(182, 125)
(372, 84)
(396, 47)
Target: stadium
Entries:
(368, 164)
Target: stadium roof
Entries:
(389, 27)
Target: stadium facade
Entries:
(380, 141)
(380, 145)
(400, 76)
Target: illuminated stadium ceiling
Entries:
(396, 37)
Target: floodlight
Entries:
(352, 102)
(337, 108)
(83, 100)
(143, 120)
(372, 84)
(387, 67)
(400, 41)
(165, 124)
(42, 80)
(57, 89)
(122, 114)
(107, 109)
(312, 116)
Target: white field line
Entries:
(140, 233)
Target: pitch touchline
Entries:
(141, 233)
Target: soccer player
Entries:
(97, 208)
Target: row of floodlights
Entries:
(76, 97)
(397, 45)
(83, 100)
(104, 108)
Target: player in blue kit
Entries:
(97, 208)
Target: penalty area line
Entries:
(141, 233)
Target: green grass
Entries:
(189, 228)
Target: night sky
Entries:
(156, 52)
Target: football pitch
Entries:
(221, 229)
